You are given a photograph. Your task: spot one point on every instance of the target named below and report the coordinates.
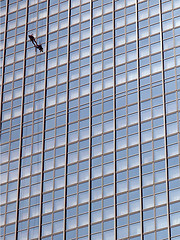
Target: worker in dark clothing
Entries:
(33, 40)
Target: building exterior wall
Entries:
(90, 133)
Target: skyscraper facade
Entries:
(90, 130)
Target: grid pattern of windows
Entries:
(90, 127)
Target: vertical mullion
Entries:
(21, 126)
(176, 78)
(67, 106)
(139, 122)
(90, 119)
(44, 121)
(114, 120)
(164, 118)
(3, 60)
